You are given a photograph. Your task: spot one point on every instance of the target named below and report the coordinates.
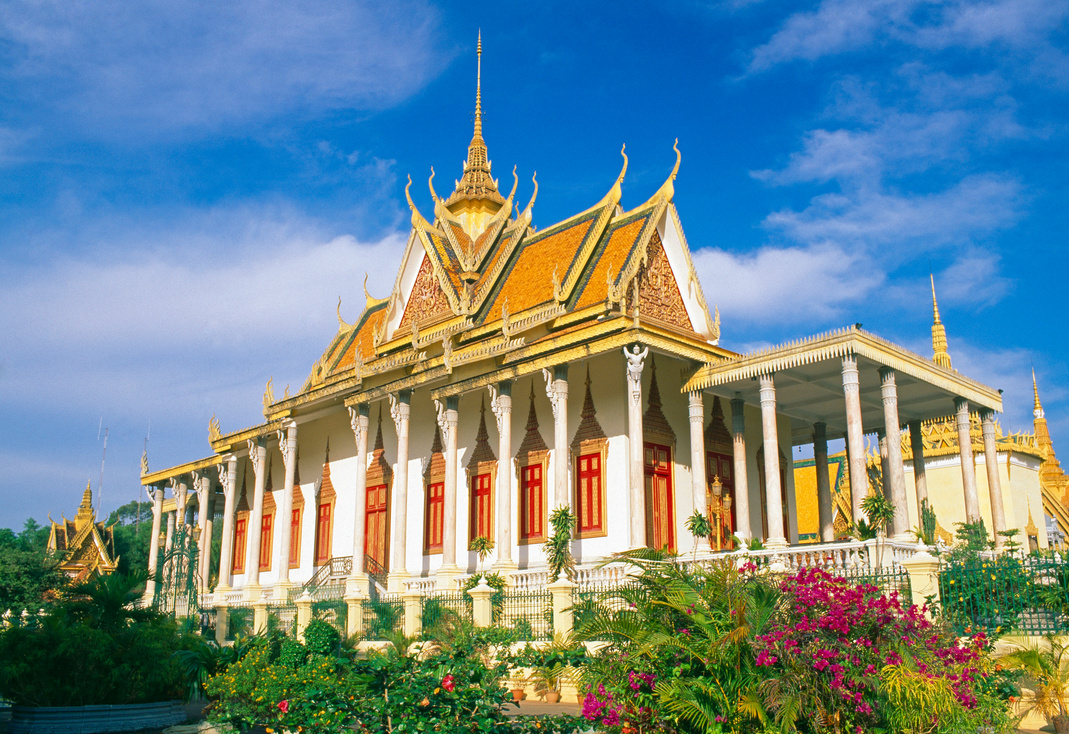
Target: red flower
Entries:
(283, 706)
(447, 683)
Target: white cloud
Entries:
(762, 287)
(187, 65)
(973, 208)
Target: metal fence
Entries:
(1006, 593)
(887, 579)
(440, 608)
(383, 616)
(530, 613)
(334, 612)
(239, 620)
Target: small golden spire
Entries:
(477, 183)
(939, 333)
(1037, 407)
(479, 87)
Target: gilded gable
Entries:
(658, 292)
(427, 302)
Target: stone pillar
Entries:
(773, 497)
(742, 487)
(697, 462)
(557, 390)
(222, 622)
(501, 404)
(885, 472)
(304, 613)
(257, 455)
(400, 409)
(357, 585)
(259, 614)
(354, 615)
(287, 445)
(636, 482)
(202, 485)
(916, 444)
(897, 479)
(923, 570)
(448, 419)
(413, 609)
(168, 544)
(825, 508)
(156, 495)
(181, 494)
(968, 465)
(209, 525)
(563, 600)
(228, 477)
(482, 609)
(855, 436)
(994, 487)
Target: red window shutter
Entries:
(589, 494)
(265, 542)
(295, 537)
(238, 559)
(323, 534)
(433, 524)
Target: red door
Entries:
(660, 510)
(481, 511)
(433, 522)
(376, 539)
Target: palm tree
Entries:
(108, 603)
(698, 526)
(880, 512)
(559, 546)
(1047, 666)
(482, 547)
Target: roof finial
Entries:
(1037, 407)
(479, 87)
(940, 355)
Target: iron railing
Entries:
(383, 616)
(1006, 593)
(337, 567)
(440, 607)
(530, 613)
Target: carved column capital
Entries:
(636, 360)
(400, 408)
(287, 443)
(851, 383)
(500, 404)
(767, 390)
(358, 421)
(553, 391)
(256, 454)
(695, 406)
(224, 478)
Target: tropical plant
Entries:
(925, 531)
(482, 546)
(881, 512)
(559, 546)
(1046, 666)
(699, 527)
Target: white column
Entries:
(357, 583)
(169, 543)
(636, 479)
(557, 390)
(501, 404)
(825, 509)
(696, 411)
(448, 418)
(994, 487)
(855, 436)
(202, 485)
(400, 410)
(773, 496)
(156, 495)
(893, 429)
(287, 445)
(968, 466)
(742, 487)
(916, 444)
(258, 456)
(228, 477)
(181, 494)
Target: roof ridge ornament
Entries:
(667, 190)
(940, 355)
(1037, 407)
(418, 220)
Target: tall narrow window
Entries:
(432, 523)
(239, 544)
(375, 538)
(589, 496)
(265, 541)
(325, 514)
(295, 538)
(481, 506)
(532, 503)
(323, 528)
(660, 510)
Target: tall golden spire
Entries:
(1037, 407)
(477, 185)
(939, 334)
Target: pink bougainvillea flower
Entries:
(448, 683)
(283, 706)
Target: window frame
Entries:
(541, 460)
(241, 543)
(484, 468)
(599, 448)
(267, 529)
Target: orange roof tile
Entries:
(619, 243)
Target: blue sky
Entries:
(186, 188)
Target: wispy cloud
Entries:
(197, 66)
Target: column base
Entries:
(221, 589)
(358, 584)
(703, 547)
(505, 569)
(445, 578)
(253, 592)
(395, 581)
(281, 590)
(777, 544)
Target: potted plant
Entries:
(482, 547)
(559, 546)
(1046, 667)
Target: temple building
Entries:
(87, 546)
(1034, 488)
(511, 371)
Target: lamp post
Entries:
(720, 508)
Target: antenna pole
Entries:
(103, 455)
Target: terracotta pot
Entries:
(518, 695)
(553, 697)
(1061, 724)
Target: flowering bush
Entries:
(848, 659)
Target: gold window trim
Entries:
(484, 467)
(435, 478)
(540, 458)
(596, 446)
